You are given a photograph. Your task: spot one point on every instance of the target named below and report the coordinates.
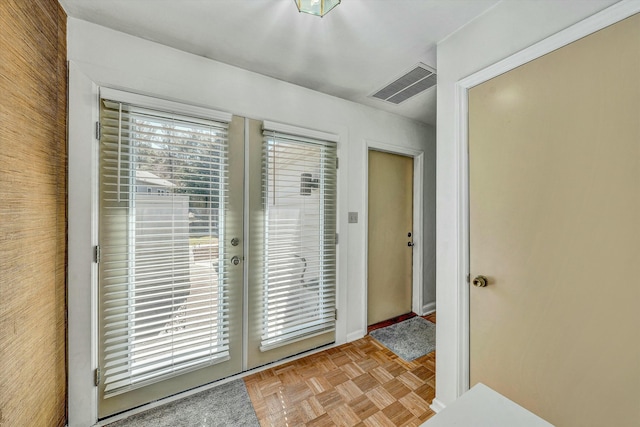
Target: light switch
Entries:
(353, 217)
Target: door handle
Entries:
(480, 282)
(410, 244)
(235, 260)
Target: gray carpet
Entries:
(225, 405)
(409, 339)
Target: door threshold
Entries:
(390, 322)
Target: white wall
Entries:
(504, 30)
(100, 56)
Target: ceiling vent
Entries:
(411, 83)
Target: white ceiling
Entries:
(356, 49)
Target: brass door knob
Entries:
(480, 281)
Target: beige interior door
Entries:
(554, 226)
(390, 226)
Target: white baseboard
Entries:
(436, 406)
(355, 335)
(428, 308)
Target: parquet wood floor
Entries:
(361, 383)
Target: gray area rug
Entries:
(225, 405)
(409, 339)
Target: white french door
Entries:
(171, 254)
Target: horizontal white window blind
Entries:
(163, 306)
(299, 276)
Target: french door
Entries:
(184, 300)
(292, 229)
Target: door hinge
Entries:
(97, 254)
(336, 314)
(468, 278)
(337, 238)
(96, 377)
(337, 162)
(98, 131)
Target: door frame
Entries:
(460, 304)
(82, 321)
(418, 225)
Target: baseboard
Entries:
(355, 335)
(436, 406)
(428, 308)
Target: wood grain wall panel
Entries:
(33, 178)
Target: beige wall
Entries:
(32, 213)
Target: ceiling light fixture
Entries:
(316, 7)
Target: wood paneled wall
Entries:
(33, 153)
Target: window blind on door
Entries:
(299, 273)
(163, 303)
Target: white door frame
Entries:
(82, 301)
(607, 17)
(418, 225)
(82, 319)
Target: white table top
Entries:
(484, 407)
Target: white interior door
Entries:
(554, 149)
